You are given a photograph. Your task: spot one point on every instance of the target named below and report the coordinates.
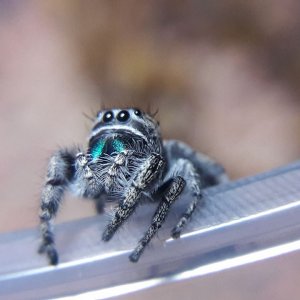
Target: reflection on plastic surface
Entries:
(241, 222)
(200, 271)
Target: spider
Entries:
(126, 161)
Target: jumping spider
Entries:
(126, 161)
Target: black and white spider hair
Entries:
(126, 160)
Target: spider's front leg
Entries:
(181, 174)
(146, 174)
(60, 173)
(65, 167)
(174, 189)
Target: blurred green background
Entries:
(223, 74)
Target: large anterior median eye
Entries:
(97, 149)
(123, 116)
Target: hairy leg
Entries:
(64, 167)
(60, 172)
(185, 168)
(198, 170)
(147, 173)
(174, 189)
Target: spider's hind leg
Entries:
(210, 171)
(198, 170)
(186, 169)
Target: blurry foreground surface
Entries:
(260, 280)
(243, 241)
(223, 75)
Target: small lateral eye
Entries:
(137, 112)
(108, 116)
(123, 116)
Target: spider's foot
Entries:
(176, 231)
(50, 252)
(135, 255)
(52, 256)
(107, 234)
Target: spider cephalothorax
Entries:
(119, 141)
(125, 160)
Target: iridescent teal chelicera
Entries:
(98, 149)
(118, 145)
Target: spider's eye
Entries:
(108, 116)
(123, 116)
(137, 112)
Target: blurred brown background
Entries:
(224, 75)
